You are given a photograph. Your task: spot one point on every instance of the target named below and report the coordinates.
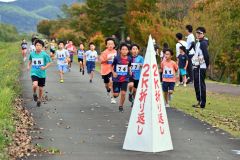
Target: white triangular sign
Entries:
(148, 129)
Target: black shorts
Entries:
(80, 60)
(71, 58)
(106, 78)
(52, 51)
(131, 79)
(119, 86)
(135, 82)
(41, 81)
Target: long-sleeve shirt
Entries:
(201, 56)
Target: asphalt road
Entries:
(79, 120)
(223, 88)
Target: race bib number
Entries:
(122, 70)
(135, 66)
(92, 58)
(32, 49)
(110, 61)
(80, 54)
(168, 73)
(61, 57)
(37, 63)
(24, 46)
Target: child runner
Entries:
(32, 47)
(62, 57)
(106, 59)
(72, 50)
(53, 47)
(121, 69)
(24, 49)
(137, 62)
(81, 53)
(91, 58)
(182, 64)
(168, 69)
(39, 61)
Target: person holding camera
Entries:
(200, 62)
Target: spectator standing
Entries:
(190, 52)
(200, 62)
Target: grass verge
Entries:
(9, 90)
(221, 111)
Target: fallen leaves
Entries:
(21, 144)
(21, 140)
(50, 150)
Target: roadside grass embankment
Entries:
(10, 59)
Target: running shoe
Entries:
(113, 101)
(38, 103)
(108, 92)
(121, 109)
(35, 97)
(130, 97)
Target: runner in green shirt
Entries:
(39, 61)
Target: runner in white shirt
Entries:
(62, 56)
(91, 57)
(32, 48)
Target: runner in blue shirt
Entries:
(136, 66)
(81, 54)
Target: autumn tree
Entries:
(142, 19)
(96, 19)
(222, 21)
(106, 16)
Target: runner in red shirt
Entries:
(72, 50)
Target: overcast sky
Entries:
(7, 0)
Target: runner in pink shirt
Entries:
(72, 50)
(168, 69)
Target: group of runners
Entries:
(120, 69)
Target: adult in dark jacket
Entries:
(200, 62)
